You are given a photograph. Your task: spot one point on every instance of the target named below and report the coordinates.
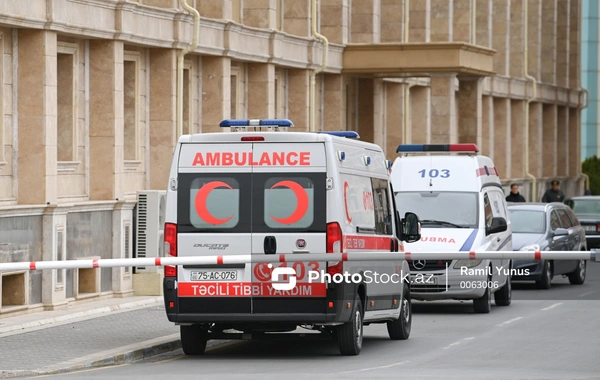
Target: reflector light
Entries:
(346, 134)
(330, 304)
(171, 304)
(405, 148)
(253, 138)
(170, 271)
(227, 123)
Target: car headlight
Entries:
(530, 247)
(467, 263)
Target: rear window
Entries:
(584, 207)
(528, 222)
(245, 202)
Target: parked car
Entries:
(546, 227)
(587, 209)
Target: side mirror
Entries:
(498, 225)
(560, 232)
(411, 228)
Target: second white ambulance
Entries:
(459, 198)
(269, 193)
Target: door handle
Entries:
(270, 245)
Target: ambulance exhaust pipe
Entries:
(593, 255)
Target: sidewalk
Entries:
(112, 331)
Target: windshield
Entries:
(441, 209)
(584, 207)
(527, 222)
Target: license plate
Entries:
(590, 228)
(214, 275)
(423, 279)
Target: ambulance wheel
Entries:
(193, 339)
(546, 281)
(484, 304)
(503, 296)
(400, 328)
(350, 334)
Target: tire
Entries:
(503, 296)
(193, 339)
(577, 277)
(546, 281)
(350, 334)
(400, 328)
(483, 305)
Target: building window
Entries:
(130, 105)
(66, 92)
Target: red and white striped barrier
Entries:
(593, 255)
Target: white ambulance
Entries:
(274, 192)
(460, 200)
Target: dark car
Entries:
(587, 209)
(546, 227)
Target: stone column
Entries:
(419, 21)
(469, 116)
(394, 117)
(502, 136)
(260, 14)
(420, 115)
(379, 127)
(535, 139)
(443, 109)
(296, 18)
(500, 40)
(549, 41)
(36, 72)
(298, 98)
(216, 92)
(487, 125)
(392, 20)
(562, 141)
(575, 44)
(163, 114)
(549, 145)
(441, 21)
(335, 102)
(335, 20)
(365, 109)
(517, 139)
(54, 282)
(574, 142)
(106, 120)
(261, 90)
(534, 40)
(562, 42)
(364, 24)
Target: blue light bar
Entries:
(405, 148)
(256, 123)
(346, 134)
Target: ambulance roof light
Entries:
(415, 148)
(233, 123)
(346, 134)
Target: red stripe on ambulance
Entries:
(248, 289)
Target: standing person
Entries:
(514, 195)
(554, 194)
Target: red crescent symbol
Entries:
(346, 186)
(302, 206)
(200, 203)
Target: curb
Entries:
(82, 314)
(116, 359)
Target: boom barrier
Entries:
(593, 255)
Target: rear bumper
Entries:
(298, 318)
(593, 241)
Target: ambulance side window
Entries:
(489, 215)
(383, 207)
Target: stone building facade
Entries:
(89, 101)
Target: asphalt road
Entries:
(551, 334)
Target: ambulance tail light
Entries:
(170, 234)
(334, 245)
(416, 148)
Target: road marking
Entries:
(552, 306)
(459, 342)
(585, 294)
(509, 321)
(380, 367)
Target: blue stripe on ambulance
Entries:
(469, 242)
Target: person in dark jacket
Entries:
(554, 194)
(514, 195)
